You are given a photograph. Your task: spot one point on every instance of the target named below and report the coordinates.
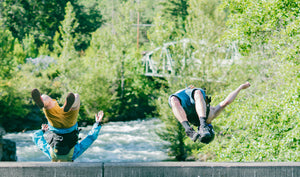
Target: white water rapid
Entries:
(133, 141)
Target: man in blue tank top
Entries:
(191, 105)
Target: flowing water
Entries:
(133, 141)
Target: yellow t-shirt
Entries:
(60, 119)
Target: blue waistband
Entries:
(62, 130)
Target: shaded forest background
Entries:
(95, 49)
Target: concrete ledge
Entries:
(202, 169)
(48, 169)
(150, 169)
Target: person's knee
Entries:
(198, 95)
(47, 101)
(174, 101)
(45, 97)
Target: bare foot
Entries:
(245, 85)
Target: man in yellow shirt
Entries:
(58, 117)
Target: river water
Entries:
(132, 141)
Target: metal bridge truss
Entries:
(165, 66)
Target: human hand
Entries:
(99, 116)
(45, 127)
(245, 85)
(191, 86)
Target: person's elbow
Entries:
(93, 136)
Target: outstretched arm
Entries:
(90, 138)
(229, 99)
(215, 111)
(40, 142)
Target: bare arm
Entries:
(215, 111)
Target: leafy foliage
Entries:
(259, 126)
(255, 23)
(256, 46)
(63, 46)
(124, 89)
(42, 19)
(176, 11)
(6, 53)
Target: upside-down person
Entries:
(65, 147)
(192, 105)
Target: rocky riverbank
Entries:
(7, 148)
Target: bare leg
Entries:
(178, 110)
(200, 106)
(215, 111)
(182, 118)
(43, 101)
(48, 102)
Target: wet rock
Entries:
(7, 148)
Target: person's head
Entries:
(206, 140)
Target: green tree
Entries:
(19, 53)
(26, 49)
(64, 45)
(30, 46)
(42, 19)
(7, 63)
(205, 27)
(177, 12)
(68, 35)
(68, 61)
(115, 66)
(169, 23)
(10, 98)
(254, 23)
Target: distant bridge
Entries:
(161, 63)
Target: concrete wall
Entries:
(152, 169)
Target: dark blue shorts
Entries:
(186, 98)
